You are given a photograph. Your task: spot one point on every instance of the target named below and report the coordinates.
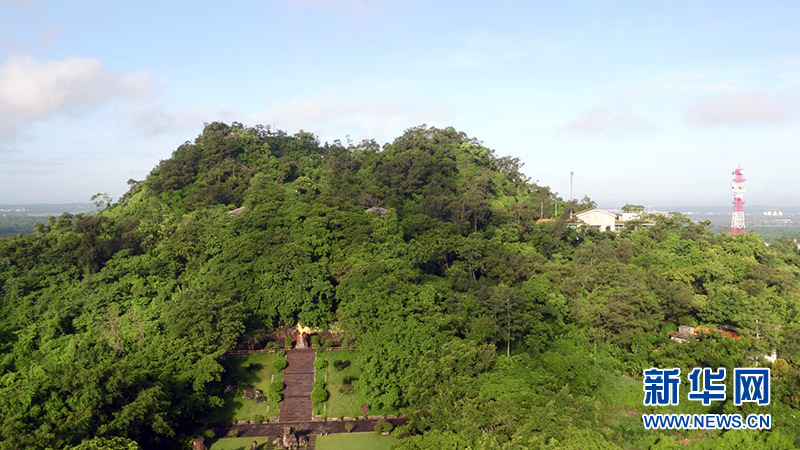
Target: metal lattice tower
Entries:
(737, 219)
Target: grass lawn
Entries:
(354, 441)
(238, 443)
(345, 405)
(254, 370)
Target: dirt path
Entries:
(298, 377)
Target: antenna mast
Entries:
(571, 177)
(737, 219)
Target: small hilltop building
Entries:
(598, 219)
(602, 220)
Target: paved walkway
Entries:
(298, 377)
(304, 428)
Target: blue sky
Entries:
(649, 102)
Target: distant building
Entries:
(603, 220)
(685, 333)
(598, 219)
(626, 216)
(377, 210)
(236, 211)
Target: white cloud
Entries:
(610, 121)
(739, 108)
(335, 117)
(790, 73)
(32, 90)
(153, 118)
(7, 128)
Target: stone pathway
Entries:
(298, 377)
(305, 428)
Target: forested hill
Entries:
(426, 251)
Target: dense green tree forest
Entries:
(490, 329)
(11, 225)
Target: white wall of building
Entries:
(602, 220)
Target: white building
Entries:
(626, 216)
(598, 219)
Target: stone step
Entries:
(298, 378)
(312, 442)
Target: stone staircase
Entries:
(298, 377)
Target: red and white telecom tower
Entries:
(737, 220)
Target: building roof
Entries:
(602, 211)
(377, 210)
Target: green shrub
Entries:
(279, 364)
(233, 432)
(318, 384)
(340, 364)
(349, 379)
(347, 389)
(349, 426)
(287, 343)
(320, 363)
(315, 341)
(383, 425)
(277, 386)
(319, 395)
(274, 397)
